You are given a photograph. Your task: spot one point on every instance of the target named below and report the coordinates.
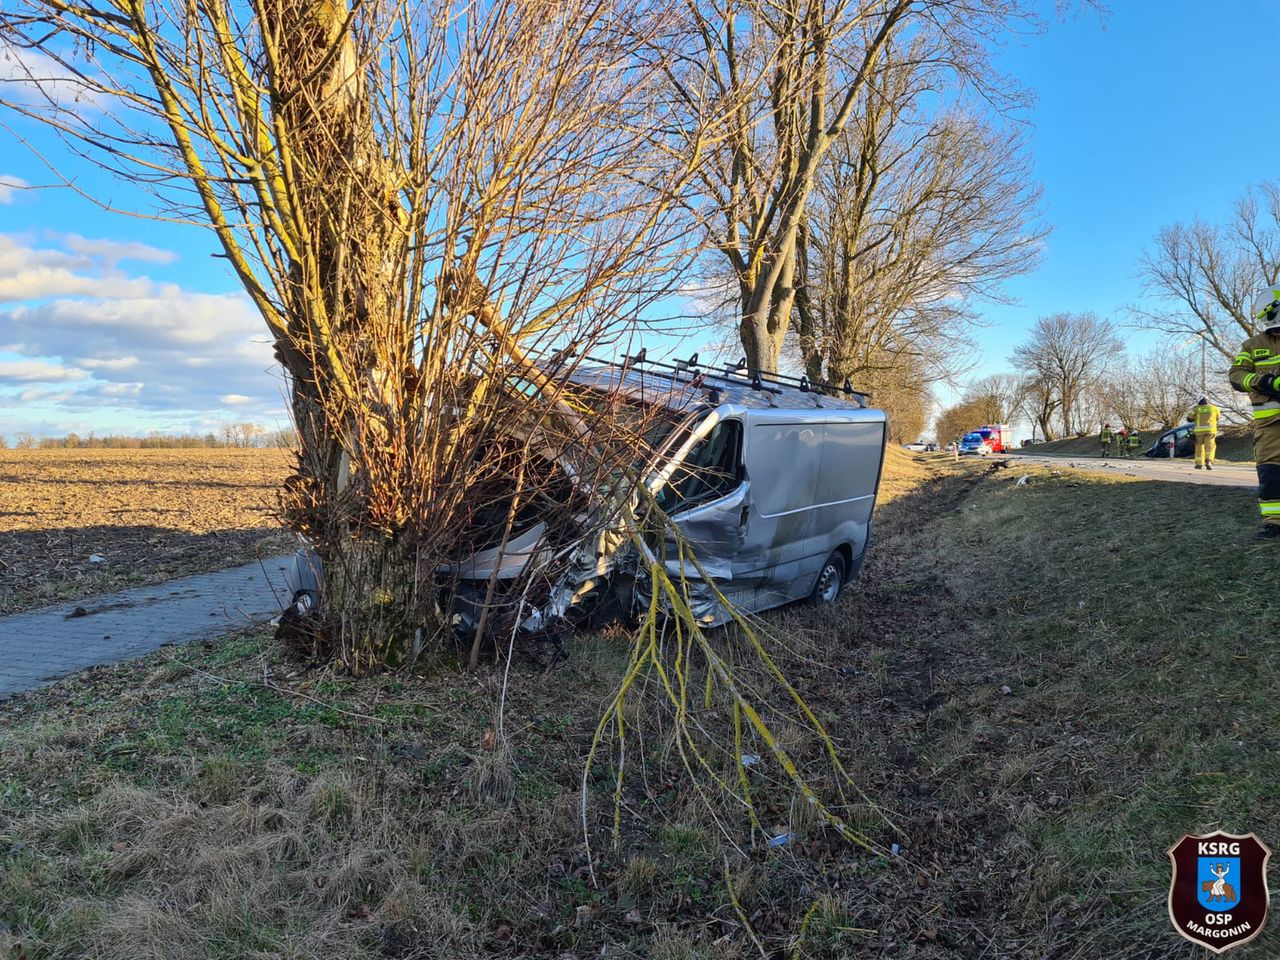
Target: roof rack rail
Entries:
(692, 373)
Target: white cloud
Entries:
(122, 341)
(112, 252)
(31, 77)
(38, 371)
(112, 363)
(9, 184)
(28, 272)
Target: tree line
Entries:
(232, 435)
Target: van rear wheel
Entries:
(830, 581)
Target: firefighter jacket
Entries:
(1135, 439)
(1205, 417)
(1259, 355)
(1105, 435)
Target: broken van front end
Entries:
(770, 486)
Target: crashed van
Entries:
(769, 480)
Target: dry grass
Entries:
(151, 810)
(151, 514)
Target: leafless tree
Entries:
(416, 197)
(957, 420)
(997, 396)
(790, 78)
(1160, 388)
(1069, 354)
(1203, 277)
(918, 216)
(1039, 403)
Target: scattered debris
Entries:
(782, 839)
(1006, 689)
(97, 558)
(1022, 480)
(750, 759)
(77, 612)
(895, 849)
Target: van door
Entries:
(707, 497)
(783, 455)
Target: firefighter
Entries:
(1255, 372)
(1105, 438)
(1122, 443)
(1135, 442)
(1205, 416)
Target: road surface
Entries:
(1148, 468)
(44, 644)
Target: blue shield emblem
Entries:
(1218, 883)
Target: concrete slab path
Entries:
(42, 645)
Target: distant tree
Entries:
(1068, 354)
(955, 421)
(25, 441)
(1038, 403)
(72, 440)
(998, 397)
(3, 442)
(1203, 277)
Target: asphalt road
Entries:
(1146, 468)
(38, 646)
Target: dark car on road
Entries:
(1182, 438)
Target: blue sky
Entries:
(1161, 111)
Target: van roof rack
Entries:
(696, 374)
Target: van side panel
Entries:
(847, 482)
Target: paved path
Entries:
(1178, 471)
(39, 646)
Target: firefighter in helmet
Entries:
(1105, 438)
(1134, 441)
(1256, 371)
(1205, 417)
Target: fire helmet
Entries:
(1266, 308)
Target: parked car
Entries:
(772, 482)
(918, 447)
(930, 448)
(1183, 439)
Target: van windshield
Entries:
(712, 470)
(974, 437)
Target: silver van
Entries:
(771, 480)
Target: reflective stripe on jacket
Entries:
(1258, 355)
(1205, 416)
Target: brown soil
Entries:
(151, 515)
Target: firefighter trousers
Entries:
(1206, 448)
(1266, 452)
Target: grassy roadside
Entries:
(1041, 700)
(1235, 445)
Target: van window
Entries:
(712, 470)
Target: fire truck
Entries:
(986, 439)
